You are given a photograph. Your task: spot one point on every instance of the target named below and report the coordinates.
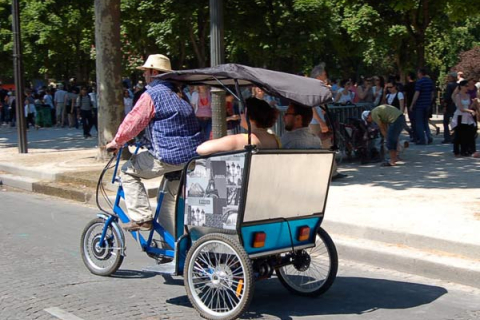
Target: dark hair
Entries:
(305, 112)
(463, 83)
(411, 75)
(343, 82)
(261, 112)
(422, 71)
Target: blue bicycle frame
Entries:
(120, 214)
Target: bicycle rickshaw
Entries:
(240, 216)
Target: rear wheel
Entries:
(313, 270)
(101, 260)
(218, 277)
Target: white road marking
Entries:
(61, 314)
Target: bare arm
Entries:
(224, 144)
(383, 129)
(414, 100)
(361, 93)
(402, 105)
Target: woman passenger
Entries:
(262, 116)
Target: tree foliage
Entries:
(354, 37)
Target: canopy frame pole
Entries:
(242, 107)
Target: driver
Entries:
(172, 134)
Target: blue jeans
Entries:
(394, 131)
(422, 129)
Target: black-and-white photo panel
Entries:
(214, 191)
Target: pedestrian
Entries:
(139, 90)
(94, 101)
(409, 92)
(390, 122)
(12, 108)
(463, 122)
(420, 105)
(59, 102)
(127, 102)
(29, 108)
(448, 106)
(365, 92)
(71, 109)
(318, 125)
(344, 95)
(48, 100)
(85, 105)
(203, 110)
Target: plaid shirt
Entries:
(172, 132)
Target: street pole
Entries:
(219, 122)
(19, 83)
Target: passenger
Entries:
(262, 117)
(298, 135)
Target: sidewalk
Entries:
(422, 216)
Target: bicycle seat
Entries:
(174, 175)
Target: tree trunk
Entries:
(109, 80)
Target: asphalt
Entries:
(421, 217)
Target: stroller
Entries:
(363, 139)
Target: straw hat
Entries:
(157, 62)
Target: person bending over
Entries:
(391, 121)
(262, 116)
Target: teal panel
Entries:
(278, 234)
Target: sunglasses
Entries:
(289, 114)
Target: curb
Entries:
(420, 242)
(23, 183)
(429, 264)
(26, 172)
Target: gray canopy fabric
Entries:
(305, 91)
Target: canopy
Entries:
(305, 91)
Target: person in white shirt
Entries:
(127, 101)
(59, 101)
(48, 100)
(344, 95)
(393, 97)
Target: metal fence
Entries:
(339, 112)
(342, 113)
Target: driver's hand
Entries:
(111, 146)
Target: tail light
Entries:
(259, 239)
(303, 233)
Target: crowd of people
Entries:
(53, 105)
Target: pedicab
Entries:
(240, 216)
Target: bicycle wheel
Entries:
(313, 270)
(218, 277)
(102, 261)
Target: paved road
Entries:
(42, 277)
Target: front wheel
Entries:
(101, 260)
(218, 277)
(312, 270)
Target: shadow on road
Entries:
(431, 167)
(133, 274)
(48, 138)
(348, 295)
